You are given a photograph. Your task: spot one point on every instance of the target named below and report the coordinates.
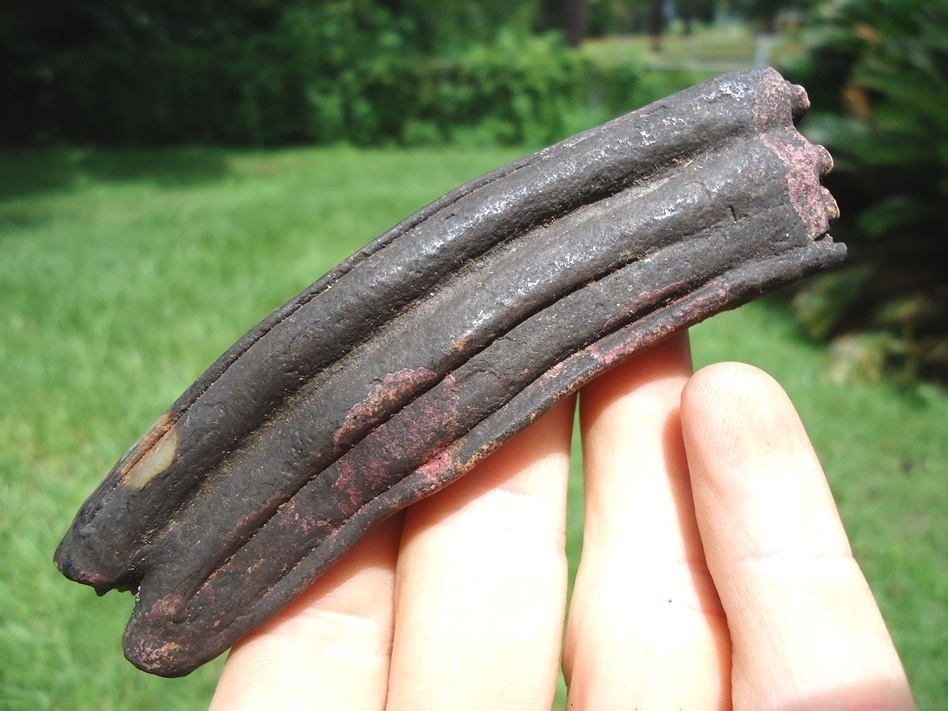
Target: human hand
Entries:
(715, 573)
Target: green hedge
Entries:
(263, 73)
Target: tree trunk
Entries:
(656, 23)
(574, 21)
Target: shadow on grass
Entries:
(32, 171)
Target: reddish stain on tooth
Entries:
(157, 655)
(799, 100)
(393, 389)
(434, 469)
(167, 606)
(832, 208)
(806, 163)
(824, 162)
(425, 425)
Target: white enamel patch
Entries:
(154, 462)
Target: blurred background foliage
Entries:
(268, 72)
(263, 72)
(503, 72)
(877, 75)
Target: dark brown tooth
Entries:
(398, 371)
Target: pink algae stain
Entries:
(297, 519)
(432, 471)
(806, 163)
(442, 408)
(155, 653)
(347, 481)
(426, 426)
(166, 607)
(609, 354)
(665, 293)
(393, 388)
(621, 346)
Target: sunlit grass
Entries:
(123, 275)
(721, 49)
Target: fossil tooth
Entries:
(410, 362)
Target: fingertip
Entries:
(802, 619)
(751, 458)
(731, 385)
(736, 417)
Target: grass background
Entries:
(124, 274)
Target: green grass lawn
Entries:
(714, 49)
(124, 274)
(681, 60)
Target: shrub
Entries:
(263, 72)
(518, 90)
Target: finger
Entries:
(481, 581)
(805, 629)
(645, 627)
(330, 649)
